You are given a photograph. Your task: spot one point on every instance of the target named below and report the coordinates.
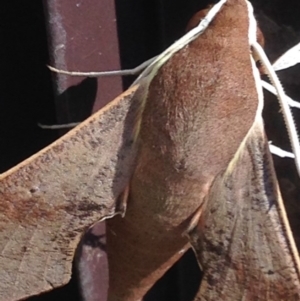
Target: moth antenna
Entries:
(150, 66)
(152, 69)
(124, 72)
(287, 114)
(292, 103)
(289, 59)
(155, 62)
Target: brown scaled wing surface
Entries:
(243, 241)
(48, 200)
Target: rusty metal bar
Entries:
(83, 36)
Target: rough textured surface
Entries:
(49, 199)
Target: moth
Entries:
(179, 160)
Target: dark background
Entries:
(29, 94)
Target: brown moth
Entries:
(185, 149)
(206, 135)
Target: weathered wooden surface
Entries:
(49, 199)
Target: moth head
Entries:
(200, 15)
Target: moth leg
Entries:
(122, 201)
(192, 232)
(195, 219)
(193, 235)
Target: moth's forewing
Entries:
(243, 240)
(49, 199)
